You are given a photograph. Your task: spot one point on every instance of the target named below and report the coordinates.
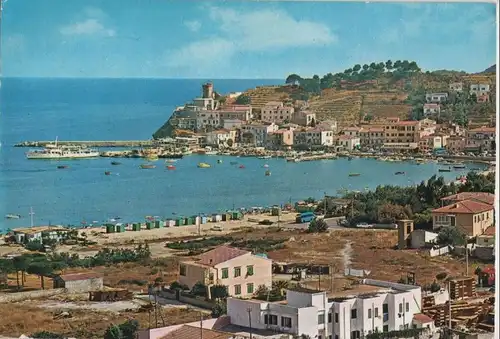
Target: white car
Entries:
(217, 228)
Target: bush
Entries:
(178, 286)
(46, 335)
(133, 282)
(441, 276)
(198, 244)
(219, 309)
(318, 226)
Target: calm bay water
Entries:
(75, 109)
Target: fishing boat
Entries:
(62, 166)
(115, 163)
(233, 163)
(174, 155)
(444, 170)
(399, 173)
(55, 151)
(170, 161)
(107, 173)
(268, 173)
(147, 166)
(242, 166)
(219, 161)
(203, 165)
(354, 174)
(170, 167)
(265, 157)
(459, 165)
(13, 216)
(266, 166)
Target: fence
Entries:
(434, 252)
(356, 273)
(186, 298)
(20, 296)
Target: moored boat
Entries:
(115, 163)
(203, 165)
(354, 174)
(62, 166)
(147, 166)
(268, 173)
(170, 167)
(266, 166)
(174, 155)
(107, 173)
(234, 163)
(219, 161)
(55, 151)
(444, 170)
(242, 166)
(13, 216)
(399, 173)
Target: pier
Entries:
(88, 143)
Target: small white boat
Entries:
(265, 157)
(211, 153)
(13, 216)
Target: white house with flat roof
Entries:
(373, 305)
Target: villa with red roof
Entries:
(240, 271)
(484, 197)
(471, 217)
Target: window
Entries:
(385, 308)
(250, 288)
(385, 328)
(369, 313)
(400, 308)
(329, 317)
(336, 317)
(355, 334)
(225, 273)
(376, 312)
(336, 336)
(237, 289)
(237, 272)
(286, 322)
(250, 270)
(321, 318)
(407, 307)
(270, 319)
(354, 314)
(182, 270)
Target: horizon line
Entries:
(128, 78)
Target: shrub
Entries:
(441, 276)
(318, 226)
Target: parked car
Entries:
(217, 228)
(364, 225)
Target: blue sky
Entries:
(238, 39)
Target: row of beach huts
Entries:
(179, 221)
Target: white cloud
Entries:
(253, 31)
(91, 24)
(193, 26)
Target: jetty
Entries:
(89, 143)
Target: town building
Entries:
(479, 89)
(348, 143)
(486, 239)
(79, 282)
(304, 118)
(422, 238)
(236, 112)
(372, 306)
(255, 133)
(352, 131)
(484, 197)
(456, 86)
(429, 143)
(328, 124)
(481, 139)
(402, 132)
(313, 137)
(455, 144)
(372, 137)
(221, 138)
(277, 112)
(240, 271)
(483, 98)
(280, 138)
(230, 124)
(212, 329)
(432, 109)
(471, 217)
(436, 98)
(208, 118)
(40, 233)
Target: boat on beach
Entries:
(203, 165)
(147, 166)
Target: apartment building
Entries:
(456, 86)
(40, 233)
(455, 144)
(257, 133)
(236, 112)
(402, 132)
(372, 137)
(277, 112)
(313, 136)
(482, 138)
(208, 118)
(221, 138)
(280, 138)
(479, 89)
(348, 143)
(304, 118)
(432, 109)
(353, 131)
(436, 98)
(371, 306)
(472, 217)
(429, 143)
(240, 271)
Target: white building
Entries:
(479, 89)
(259, 132)
(208, 118)
(431, 109)
(232, 123)
(348, 142)
(436, 97)
(220, 138)
(39, 233)
(313, 136)
(422, 238)
(304, 118)
(275, 111)
(375, 306)
(456, 87)
(239, 112)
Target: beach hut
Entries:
(120, 228)
(191, 220)
(136, 226)
(236, 215)
(150, 225)
(170, 223)
(226, 216)
(216, 217)
(110, 228)
(204, 219)
(180, 221)
(158, 224)
(275, 211)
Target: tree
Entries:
(450, 236)
(243, 100)
(390, 213)
(397, 64)
(219, 309)
(42, 269)
(218, 292)
(388, 64)
(113, 332)
(318, 226)
(356, 68)
(20, 264)
(365, 67)
(199, 289)
(129, 329)
(280, 286)
(293, 78)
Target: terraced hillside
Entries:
(343, 106)
(264, 94)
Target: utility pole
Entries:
(201, 325)
(466, 257)
(31, 215)
(324, 203)
(319, 277)
(249, 310)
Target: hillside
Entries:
(491, 69)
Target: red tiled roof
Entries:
(464, 207)
(191, 332)
(431, 105)
(490, 231)
(220, 254)
(483, 129)
(422, 318)
(352, 129)
(484, 197)
(80, 276)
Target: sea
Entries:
(133, 109)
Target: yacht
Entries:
(55, 151)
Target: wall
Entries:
(192, 300)
(79, 286)
(438, 251)
(194, 273)
(20, 296)
(484, 253)
(262, 273)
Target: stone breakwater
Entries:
(109, 143)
